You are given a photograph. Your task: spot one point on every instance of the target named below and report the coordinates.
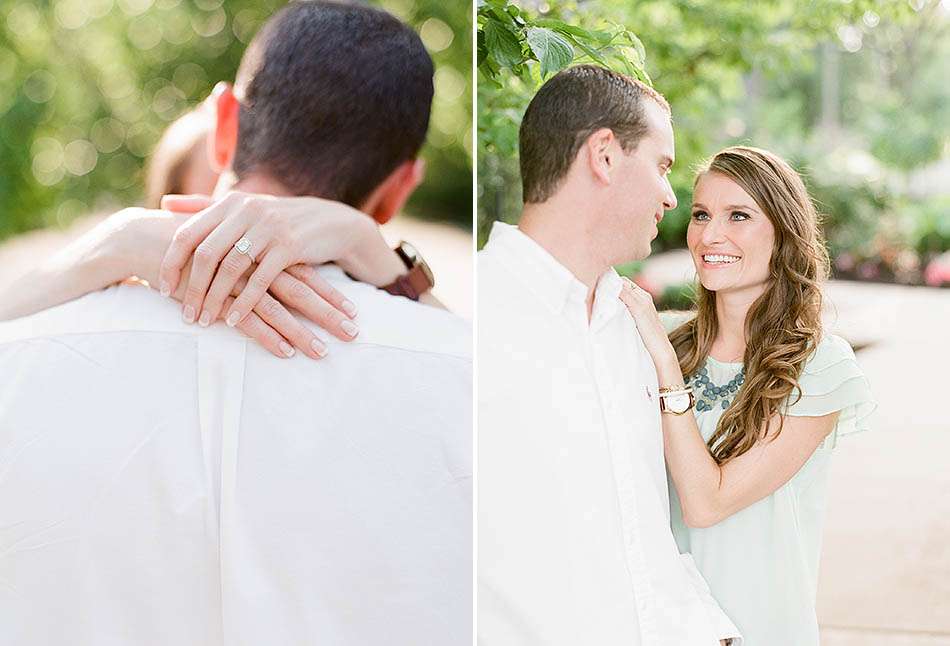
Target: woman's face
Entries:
(729, 237)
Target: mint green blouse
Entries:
(761, 563)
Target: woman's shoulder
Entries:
(830, 351)
(832, 380)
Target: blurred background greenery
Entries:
(88, 86)
(852, 92)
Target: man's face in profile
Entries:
(642, 192)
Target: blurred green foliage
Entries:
(853, 93)
(88, 86)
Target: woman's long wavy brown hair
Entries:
(783, 325)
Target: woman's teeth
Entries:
(719, 259)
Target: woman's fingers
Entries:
(253, 326)
(229, 273)
(207, 259)
(269, 267)
(298, 334)
(635, 297)
(186, 239)
(312, 278)
(185, 203)
(273, 326)
(314, 300)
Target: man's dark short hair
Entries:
(568, 109)
(334, 96)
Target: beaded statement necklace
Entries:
(709, 395)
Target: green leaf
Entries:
(550, 48)
(633, 40)
(595, 36)
(502, 16)
(503, 44)
(591, 53)
(524, 73)
(564, 28)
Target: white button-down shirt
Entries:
(166, 484)
(574, 539)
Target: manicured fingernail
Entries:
(349, 328)
(319, 347)
(163, 288)
(232, 319)
(349, 308)
(286, 349)
(204, 319)
(189, 314)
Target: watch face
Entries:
(678, 403)
(411, 252)
(417, 260)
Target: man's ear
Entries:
(390, 196)
(600, 151)
(225, 132)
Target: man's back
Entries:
(162, 483)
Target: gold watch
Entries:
(676, 401)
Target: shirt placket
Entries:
(619, 446)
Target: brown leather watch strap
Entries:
(412, 284)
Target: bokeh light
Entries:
(88, 86)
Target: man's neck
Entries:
(254, 183)
(561, 228)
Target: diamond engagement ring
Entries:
(243, 246)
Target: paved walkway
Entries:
(885, 571)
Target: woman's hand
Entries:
(640, 305)
(281, 232)
(136, 241)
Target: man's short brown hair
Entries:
(568, 109)
(334, 96)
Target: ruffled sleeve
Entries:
(672, 319)
(832, 381)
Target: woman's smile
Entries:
(718, 260)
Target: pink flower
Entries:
(869, 270)
(845, 262)
(937, 272)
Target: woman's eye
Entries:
(700, 216)
(739, 216)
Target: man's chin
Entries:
(639, 254)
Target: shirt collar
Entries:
(550, 280)
(606, 298)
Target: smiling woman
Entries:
(772, 394)
(730, 238)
